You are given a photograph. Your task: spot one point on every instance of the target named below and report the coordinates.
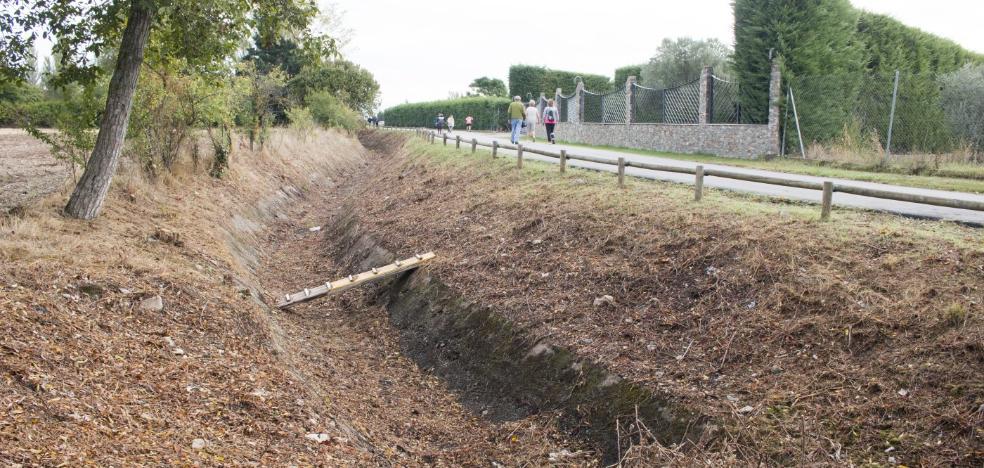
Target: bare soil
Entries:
(27, 170)
(91, 375)
(807, 343)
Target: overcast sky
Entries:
(422, 50)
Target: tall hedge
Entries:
(815, 37)
(623, 73)
(532, 80)
(835, 56)
(891, 45)
(487, 111)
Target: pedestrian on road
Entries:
(468, 122)
(516, 116)
(532, 118)
(450, 123)
(550, 120)
(439, 123)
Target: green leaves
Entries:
(485, 86)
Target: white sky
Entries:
(422, 50)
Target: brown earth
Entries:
(27, 170)
(860, 341)
(89, 374)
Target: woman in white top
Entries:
(532, 118)
(450, 123)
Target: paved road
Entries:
(840, 199)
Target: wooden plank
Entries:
(352, 281)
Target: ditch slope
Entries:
(800, 342)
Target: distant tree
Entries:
(351, 84)
(681, 60)
(486, 86)
(282, 53)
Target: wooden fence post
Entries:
(495, 148)
(445, 137)
(563, 161)
(621, 172)
(699, 183)
(826, 200)
(519, 156)
(457, 142)
(474, 144)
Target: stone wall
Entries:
(742, 141)
(733, 140)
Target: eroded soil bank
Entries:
(805, 343)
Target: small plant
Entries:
(301, 121)
(956, 315)
(329, 111)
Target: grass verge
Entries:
(959, 177)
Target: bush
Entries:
(330, 111)
(487, 111)
(301, 121)
(962, 98)
(527, 79)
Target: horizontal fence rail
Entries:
(699, 172)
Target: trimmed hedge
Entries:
(836, 56)
(891, 45)
(528, 79)
(487, 111)
(622, 74)
(42, 114)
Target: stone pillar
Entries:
(576, 113)
(629, 99)
(775, 93)
(705, 100)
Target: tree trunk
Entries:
(87, 199)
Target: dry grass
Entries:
(88, 376)
(841, 338)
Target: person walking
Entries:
(468, 122)
(532, 118)
(450, 123)
(550, 115)
(516, 114)
(439, 123)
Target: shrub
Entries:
(301, 121)
(487, 111)
(330, 111)
(962, 98)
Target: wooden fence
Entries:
(827, 188)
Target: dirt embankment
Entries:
(806, 343)
(142, 338)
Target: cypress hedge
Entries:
(891, 45)
(838, 59)
(531, 80)
(487, 111)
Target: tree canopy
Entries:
(681, 60)
(485, 86)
